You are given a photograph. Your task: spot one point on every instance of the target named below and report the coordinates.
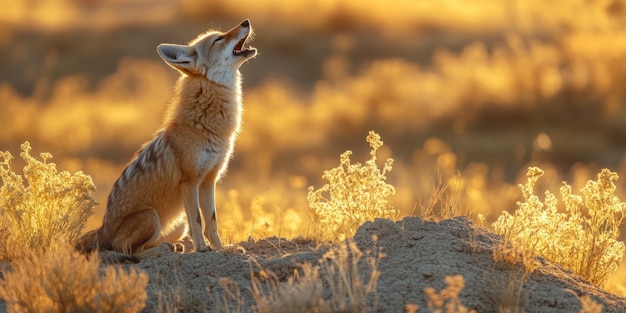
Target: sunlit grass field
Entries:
(466, 95)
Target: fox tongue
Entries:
(240, 50)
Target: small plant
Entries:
(586, 244)
(508, 292)
(349, 287)
(175, 295)
(444, 200)
(63, 280)
(337, 270)
(41, 208)
(355, 193)
(298, 294)
(447, 300)
(509, 254)
(509, 289)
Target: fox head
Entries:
(214, 55)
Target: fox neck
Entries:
(223, 77)
(202, 104)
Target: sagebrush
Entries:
(583, 238)
(43, 207)
(355, 193)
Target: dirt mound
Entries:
(418, 254)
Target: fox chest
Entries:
(210, 157)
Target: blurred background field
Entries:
(465, 94)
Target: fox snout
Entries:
(241, 34)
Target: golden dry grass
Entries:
(447, 300)
(351, 289)
(63, 280)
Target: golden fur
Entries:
(179, 167)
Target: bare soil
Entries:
(418, 254)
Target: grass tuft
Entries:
(337, 271)
(509, 290)
(63, 280)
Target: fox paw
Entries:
(164, 248)
(203, 249)
(179, 247)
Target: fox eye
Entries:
(216, 40)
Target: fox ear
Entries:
(180, 57)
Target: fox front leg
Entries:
(207, 202)
(192, 208)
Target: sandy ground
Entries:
(418, 254)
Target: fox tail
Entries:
(88, 242)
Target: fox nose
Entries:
(246, 23)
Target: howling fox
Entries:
(182, 163)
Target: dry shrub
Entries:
(63, 280)
(447, 300)
(348, 290)
(354, 194)
(585, 243)
(43, 207)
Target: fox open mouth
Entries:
(239, 50)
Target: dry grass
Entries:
(509, 254)
(585, 243)
(178, 296)
(231, 300)
(447, 300)
(63, 280)
(300, 293)
(509, 289)
(43, 208)
(348, 287)
(445, 201)
(509, 292)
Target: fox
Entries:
(167, 190)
